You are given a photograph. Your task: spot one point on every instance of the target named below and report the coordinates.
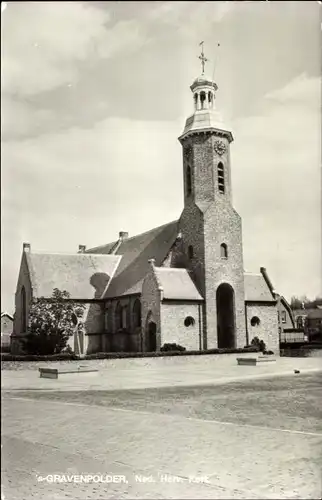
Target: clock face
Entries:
(220, 147)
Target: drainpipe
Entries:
(247, 337)
(200, 328)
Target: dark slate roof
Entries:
(136, 252)
(176, 284)
(256, 289)
(84, 276)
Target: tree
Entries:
(305, 303)
(52, 322)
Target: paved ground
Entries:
(122, 374)
(258, 438)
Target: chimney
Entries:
(123, 235)
(151, 262)
(26, 247)
(81, 248)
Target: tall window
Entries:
(299, 322)
(283, 316)
(202, 99)
(106, 318)
(223, 251)
(118, 317)
(124, 318)
(190, 252)
(189, 180)
(137, 314)
(221, 177)
(23, 310)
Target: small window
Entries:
(278, 317)
(221, 177)
(189, 181)
(223, 251)
(190, 252)
(189, 321)
(283, 316)
(255, 321)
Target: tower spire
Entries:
(202, 58)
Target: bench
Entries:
(54, 372)
(255, 361)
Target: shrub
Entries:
(259, 343)
(172, 347)
(38, 357)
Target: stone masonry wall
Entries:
(224, 228)
(173, 329)
(125, 341)
(207, 221)
(267, 330)
(151, 304)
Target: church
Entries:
(183, 282)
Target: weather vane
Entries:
(202, 58)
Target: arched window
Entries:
(195, 97)
(106, 318)
(189, 321)
(255, 321)
(202, 99)
(137, 314)
(189, 180)
(223, 251)
(23, 310)
(118, 317)
(190, 252)
(210, 99)
(221, 177)
(124, 317)
(299, 322)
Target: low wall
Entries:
(301, 353)
(110, 359)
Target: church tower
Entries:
(211, 229)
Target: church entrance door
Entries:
(225, 316)
(152, 336)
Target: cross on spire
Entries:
(202, 58)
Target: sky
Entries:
(95, 94)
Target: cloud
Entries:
(53, 42)
(276, 169)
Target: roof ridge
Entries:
(166, 268)
(77, 254)
(4, 313)
(135, 236)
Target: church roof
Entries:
(176, 284)
(84, 276)
(5, 314)
(136, 252)
(256, 289)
